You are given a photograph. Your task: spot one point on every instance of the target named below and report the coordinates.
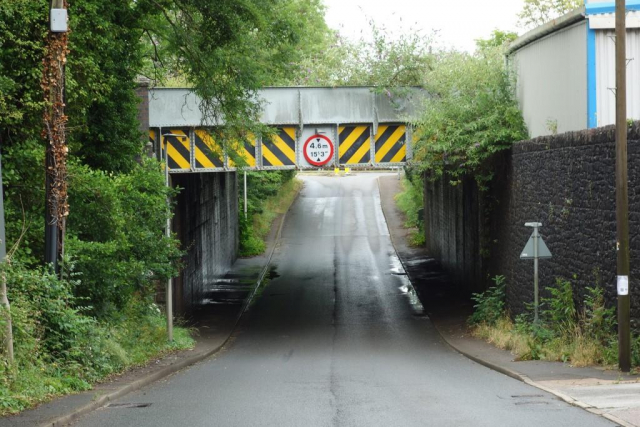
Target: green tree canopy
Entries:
(538, 12)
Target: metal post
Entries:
(245, 194)
(169, 292)
(622, 197)
(4, 301)
(536, 302)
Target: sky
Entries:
(458, 23)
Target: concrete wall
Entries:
(567, 182)
(206, 221)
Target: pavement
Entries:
(609, 393)
(613, 395)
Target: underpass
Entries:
(338, 338)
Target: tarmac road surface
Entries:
(338, 338)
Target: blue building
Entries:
(566, 69)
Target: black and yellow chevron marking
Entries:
(247, 150)
(391, 144)
(280, 150)
(178, 149)
(207, 151)
(152, 137)
(355, 145)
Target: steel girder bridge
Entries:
(314, 127)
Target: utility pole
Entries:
(53, 84)
(622, 196)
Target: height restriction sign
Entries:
(318, 150)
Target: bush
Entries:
(490, 304)
(269, 193)
(410, 201)
(116, 237)
(60, 348)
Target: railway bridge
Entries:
(313, 127)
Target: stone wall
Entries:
(566, 182)
(206, 221)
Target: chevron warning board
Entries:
(245, 149)
(391, 144)
(208, 152)
(280, 149)
(354, 145)
(179, 148)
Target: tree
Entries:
(539, 12)
(498, 39)
(386, 61)
(470, 115)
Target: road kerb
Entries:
(506, 371)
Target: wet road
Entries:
(339, 339)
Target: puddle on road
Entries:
(406, 288)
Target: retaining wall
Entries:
(206, 221)
(566, 182)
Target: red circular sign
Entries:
(318, 150)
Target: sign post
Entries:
(535, 249)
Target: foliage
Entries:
(538, 12)
(410, 201)
(498, 39)
(388, 61)
(470, 115)
(559, 312)
(61, 349)
(122, 251)
(269, 193)
(582, 338)
(489, 305)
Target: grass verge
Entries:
(581, 336)
(410, 202)
(43, 371)
(257, 228)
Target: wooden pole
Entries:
(53, 83)
(622, 196)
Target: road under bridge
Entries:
(313, 127)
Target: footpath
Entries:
(611, 394)
(227, 299)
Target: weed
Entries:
(489, 305)
(584, 338)
(410, 202)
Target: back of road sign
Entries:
(543, 250)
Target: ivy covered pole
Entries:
(53, 85)
(622, 192)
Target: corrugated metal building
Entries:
(566, 70)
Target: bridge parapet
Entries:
(363, 128)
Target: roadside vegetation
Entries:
(410, 201)
(99, 316)
(583, 335)
(269, 194)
